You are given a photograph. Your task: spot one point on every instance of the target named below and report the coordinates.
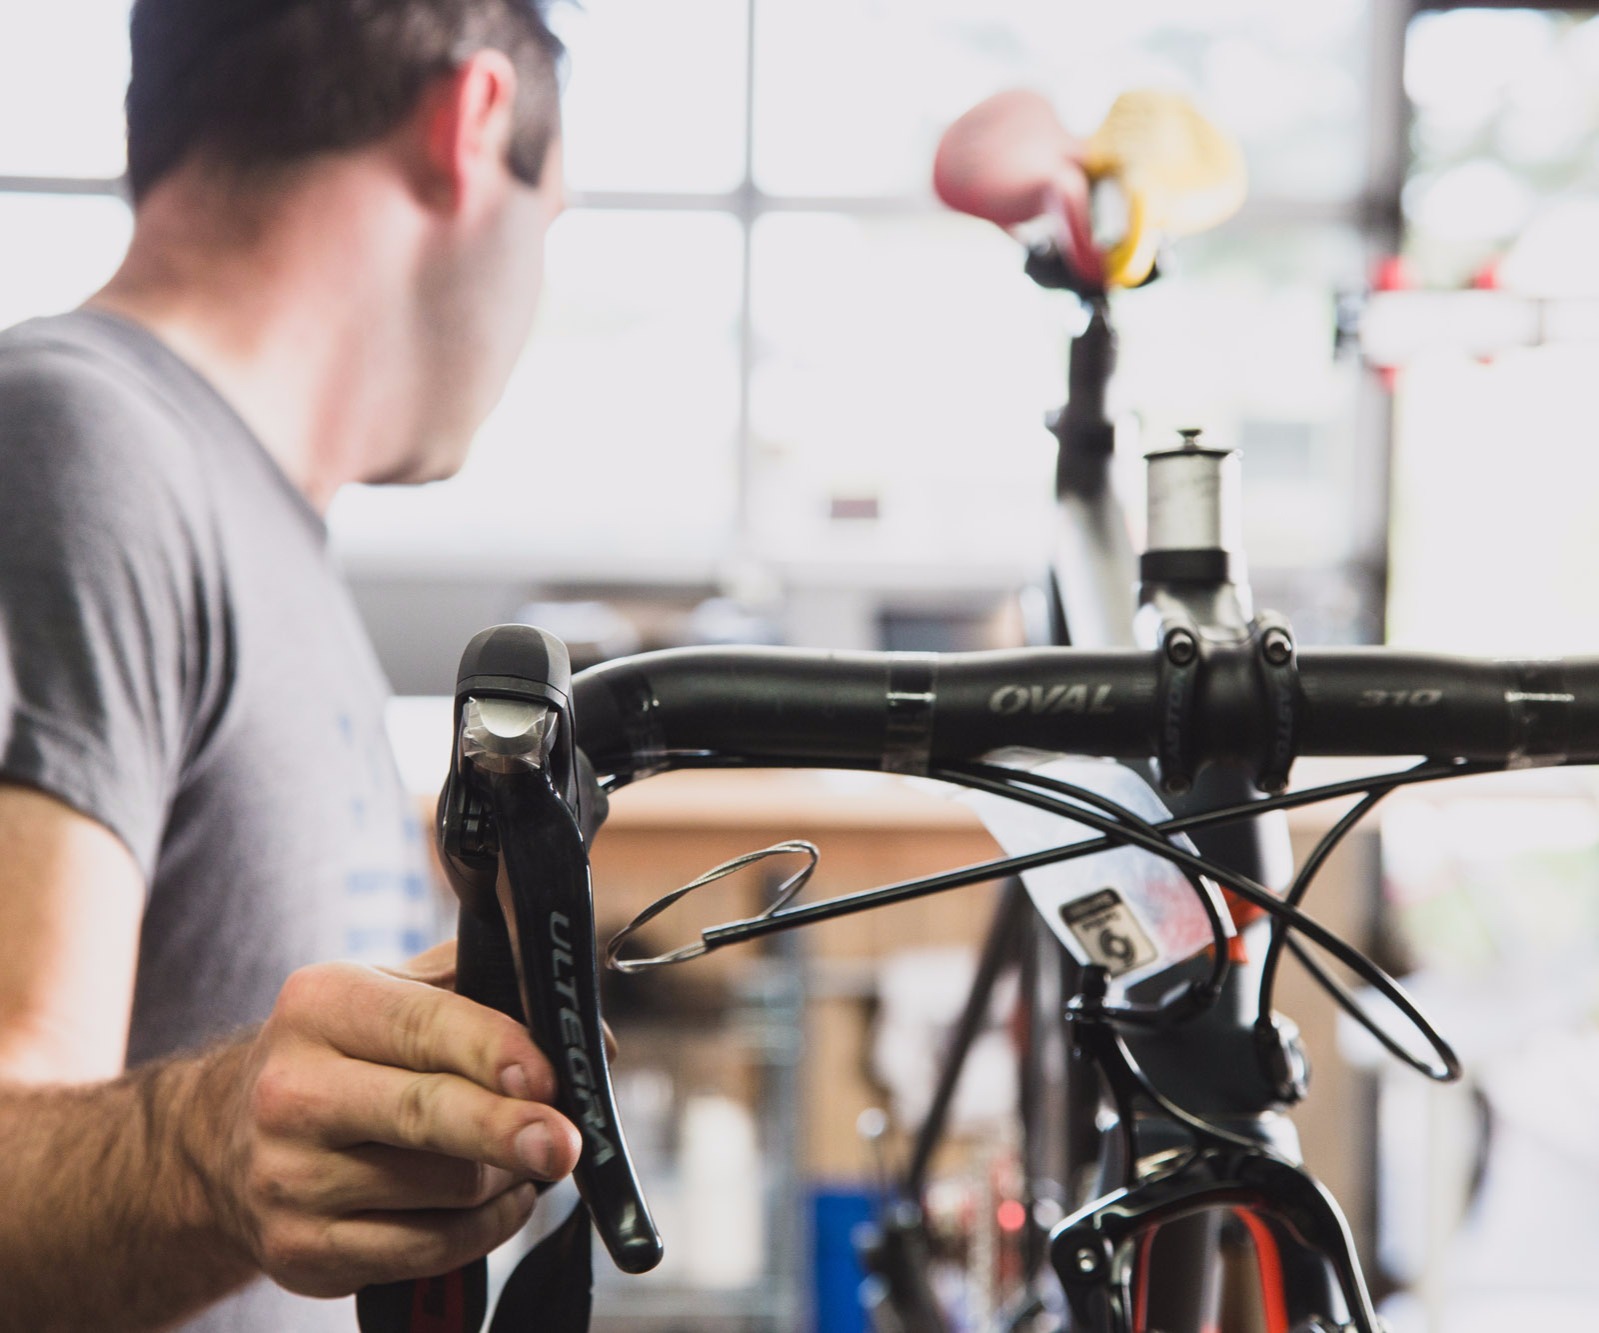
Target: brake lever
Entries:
(510, 821)
(544, 894)
(517, 747)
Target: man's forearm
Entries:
(375, 1128)
(108, 1220)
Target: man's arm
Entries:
(375, 1127)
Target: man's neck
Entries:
(291, 312)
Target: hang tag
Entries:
(1124, 909)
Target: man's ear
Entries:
(463, 125)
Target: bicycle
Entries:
(510, 827)
(992, 164)
(1219, 690)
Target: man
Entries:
(340, 207)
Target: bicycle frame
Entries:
(1089, 601)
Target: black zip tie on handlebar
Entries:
(1540, 715)
(908, 727)
(784, 895)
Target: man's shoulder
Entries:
(89, 441)
(75, 360)
(91, 388)
(81, 392)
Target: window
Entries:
(63, 225)
(762, 336)
(1496, 505)
(63, 70)
(58, 248)
(870, 392)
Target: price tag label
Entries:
(1124, 909)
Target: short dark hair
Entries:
(263, 83)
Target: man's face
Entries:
(481, 301)
(517, 247)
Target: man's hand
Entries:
(1010, 160)
(372, 1129)
(379, 1127)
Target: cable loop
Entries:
(784, 895)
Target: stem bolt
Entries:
(1087, 1261)
(1181, 648)
(1277, 647)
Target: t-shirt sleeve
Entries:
(100, 592)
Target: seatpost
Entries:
(1090, 601)
(1087, 435)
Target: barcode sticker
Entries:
(1109, 932)
(1125, 909)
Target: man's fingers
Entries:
(437, 1113)
(377, 1177)
(387, 1020)
(389, 1129)
(352, 1252)
(1071, 204)
(426, 1244)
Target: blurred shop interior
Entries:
(778, 394)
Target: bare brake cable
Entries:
(1284, 914)
(1196, 995)
(1118, 830)
(739, 932)
(1341, 995)
(784, 895)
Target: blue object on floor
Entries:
(836, 1272)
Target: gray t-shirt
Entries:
(180, 660)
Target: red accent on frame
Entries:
(1273, 1297)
